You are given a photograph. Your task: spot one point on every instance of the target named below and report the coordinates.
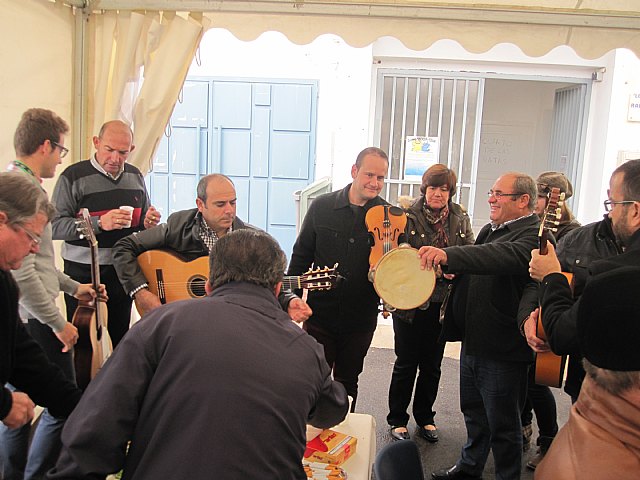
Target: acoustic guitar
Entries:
(172, 278)
(549, 367)
(90, 318)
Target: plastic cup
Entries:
(129, 210)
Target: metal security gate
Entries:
(568, 132)
(425, 104)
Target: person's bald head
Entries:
(217, 202)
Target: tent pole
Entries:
(80, 74)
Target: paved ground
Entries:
(372, 399)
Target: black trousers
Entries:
(345, 354)
(118, 306)
(542, 402)
(418, 351)
(52, 347)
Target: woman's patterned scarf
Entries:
(437, 221)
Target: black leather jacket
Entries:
(577, 250)
(181, 234)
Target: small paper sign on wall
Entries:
(633, 115)
(419, 154)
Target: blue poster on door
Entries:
(419, 154)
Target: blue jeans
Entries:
(42, 454)
(492, 393)
(18, 459)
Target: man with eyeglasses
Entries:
(102, 184)
(492, 297)
(563, 314)
(27, 376)
(587, 251)
(39, 145)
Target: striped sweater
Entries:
(82, 186)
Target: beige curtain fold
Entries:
(140, 65)
(420, 33)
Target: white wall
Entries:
(608, 130)
(347, 78)
(37, 66)
(517, 113)
(343, 72)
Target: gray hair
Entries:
(247, 255)
(525, 184)
(201, 190)
(21, 198)
(613, 381)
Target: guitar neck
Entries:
(543, 239)
(100, 313)
(291, 282)
(95, 266)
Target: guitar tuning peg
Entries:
(82, 236)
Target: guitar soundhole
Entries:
(196, 286)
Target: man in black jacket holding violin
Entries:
(334, 231)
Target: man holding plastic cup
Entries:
(115, 194)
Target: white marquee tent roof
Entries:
(590, 27)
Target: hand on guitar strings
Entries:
(146, 301)
(542, 265)
(431, 257)
(537, 344)
(299, 310)
(86, 293)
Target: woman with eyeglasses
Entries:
(433, 219)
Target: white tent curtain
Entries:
(590, 27)
(140, 64)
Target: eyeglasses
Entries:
(608, 204)
(63, 150)
(35, 239)
(499, 195)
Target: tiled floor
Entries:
(383, 338)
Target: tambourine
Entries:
(399, 281)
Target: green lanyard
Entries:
(17, 164)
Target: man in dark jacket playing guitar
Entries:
(559, 323)
(191, 234)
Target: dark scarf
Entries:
(437, 222)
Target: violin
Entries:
(385, 223)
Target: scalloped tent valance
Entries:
(590, 27)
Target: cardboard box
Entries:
(330, 447)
